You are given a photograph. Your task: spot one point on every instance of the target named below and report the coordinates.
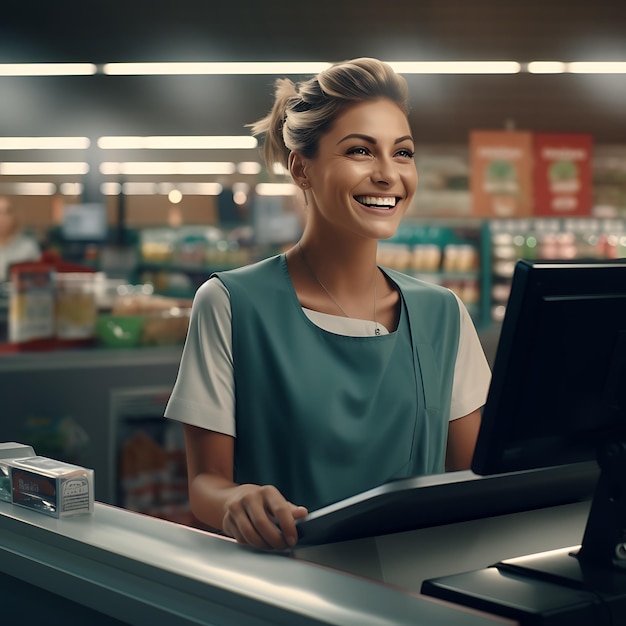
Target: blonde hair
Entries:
(304, 111)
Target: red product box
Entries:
(562, 174)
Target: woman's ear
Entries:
(297, 169)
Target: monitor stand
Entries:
(585, 585)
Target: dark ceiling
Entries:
(444, 108)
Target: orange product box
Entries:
(501, 173)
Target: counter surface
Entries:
(143, 571)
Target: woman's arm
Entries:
(462, 435)
(252, 514)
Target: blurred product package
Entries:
(51, 487)
(10, 450)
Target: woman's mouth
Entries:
(377, 202)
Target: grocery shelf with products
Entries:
(451, 252)
(176, 261)
(548, 239)
(475, 257)
(446, 252)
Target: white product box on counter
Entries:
(52, 487)
(10, 450)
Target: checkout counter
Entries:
(115, 566)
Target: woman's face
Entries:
(363, 178)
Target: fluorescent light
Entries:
(153, 189)
(279, 67)
(140, 189)
(310, 67)
(40, 189)
(28, 189)
(167, 168)
(276, 189)
(249, 167)
(110, 189)
(456, 67)
(597, 67)
(577, 67)
(51, 168)
(178, 143)
(44, 143)
(71, 189)
(192, 189)
(47, 69)
(546, 67)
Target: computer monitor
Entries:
(84, 222)
(558, 392)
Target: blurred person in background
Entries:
(15, 246)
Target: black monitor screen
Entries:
(559, 379)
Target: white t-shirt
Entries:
(204, 391)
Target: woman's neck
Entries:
(342, 265)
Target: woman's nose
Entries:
(385, 172)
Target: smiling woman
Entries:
(314, 375)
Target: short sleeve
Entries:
(472, 374)
(203, 393)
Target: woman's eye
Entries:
(406, 153)
(358, 150)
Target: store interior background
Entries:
(101, 407)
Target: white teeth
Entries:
(376, 201)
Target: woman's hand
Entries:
(254, 515)
(261, 517)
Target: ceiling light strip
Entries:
(456, 67)
(44, 143)
(141, 188)
(309, 67)
(153, 168)
(48, 69)
(546, 67)
(597, 67)
(577, 67)
(178, 143)
(48, 168)
(28, 189)
(276, 189)
(125, 69)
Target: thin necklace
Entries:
(330, 295)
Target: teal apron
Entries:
(323, 416)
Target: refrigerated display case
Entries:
(147, 455)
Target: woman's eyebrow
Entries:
(372, 140)
(405, 138)
(357, 136)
